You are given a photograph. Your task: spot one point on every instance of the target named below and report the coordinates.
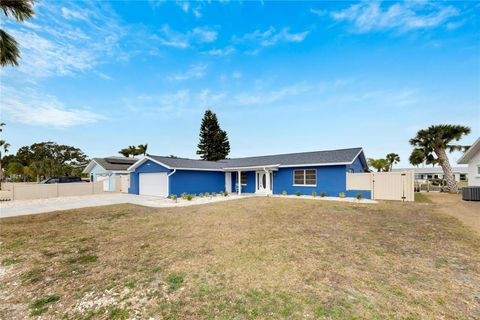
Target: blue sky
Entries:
(281, 76)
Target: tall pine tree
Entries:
(213, 143)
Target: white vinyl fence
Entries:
(28, 191)
(384, 185)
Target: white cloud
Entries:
(204, 34)
(236, 74)
(76, 14)
(180, 40)
(56, 45)
(318, 12)
(221, 52)
(174, 104)
(197, 13)
(195, 71)
(268, 97)
(184, 5)
(405, 16)
(34, 108)
(271, 37)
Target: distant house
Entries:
(472, 158)
(106, 169)
(434, 173)
(303, 173)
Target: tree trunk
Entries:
(447, 170)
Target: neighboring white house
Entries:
(472, 158)
(433, 173)
(106, 169)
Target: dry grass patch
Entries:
(246, 259)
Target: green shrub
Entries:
(200, 195)
(323, 194)
(314, 194)
(221, 193)
(359, 196)
(184, 195)
(284, 193)
(207, 194)
(298, 193)
(225, 194)
(342, 195)
(214, 194)
(174, 197)
(190, 197)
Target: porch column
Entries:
(239, 181)
(267, 176)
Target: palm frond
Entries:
(19, 9)
(9, 53)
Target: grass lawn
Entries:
(251, 258)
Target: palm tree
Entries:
(133, 151)
(392, 159)
(379, 164)
(436, 141)
(21, 10)
(125, 152)
(142, 148)
(5, 145)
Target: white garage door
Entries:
(153, 184)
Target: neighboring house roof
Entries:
(470, 153)
(111, 163)
(432, 170)
(317, 158)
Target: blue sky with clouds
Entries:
(281, 76)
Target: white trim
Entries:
(90, 169)
(466, 156)
(304, 185)
(317, 164)
(199, 169)
(142, 161)
(251, 167)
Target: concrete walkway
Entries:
(25, 207)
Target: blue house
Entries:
(319, 171)
(106, 169)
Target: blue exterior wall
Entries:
(189, 181)
(330, 179)
(356, 166)
(246, 188)
(195, 182)
(147, 166)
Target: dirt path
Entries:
(468, 212)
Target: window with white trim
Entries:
(478, 170)
(306, 177)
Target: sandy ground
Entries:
(468, 212)
(25, 207)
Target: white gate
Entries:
(384, 185)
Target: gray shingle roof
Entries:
(303, 158)
(115, 163)
(188, 163)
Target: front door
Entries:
(261, 180)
